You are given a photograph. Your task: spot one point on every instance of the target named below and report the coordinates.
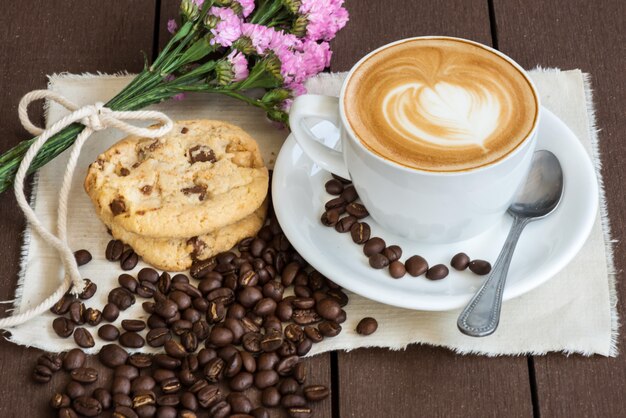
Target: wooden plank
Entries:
(589, 36)
(423, 381)
(39, 38)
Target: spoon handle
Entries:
(481, 316)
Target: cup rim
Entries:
(522, 145)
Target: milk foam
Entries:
(440, 104)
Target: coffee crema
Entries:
(440, 104)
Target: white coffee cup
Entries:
(428, 206)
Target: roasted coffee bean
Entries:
(221, 336)
(341, 318)
(67, 412)
(248, 362)
(192, 315)
(344, 224)
(251, 341)
(239, 403)
(294, 333)
(148, 307)
(329, 328)
(330, 217)
(416, 265)
(180, 279)
(122, 298)
(373, 246)
(155, 321)
(119, 400)
(260, 412)
(220, 409)
(175, 349)
(82, 257)
(267, 361)
(75, 390)
(124, 412)
(241, 381)
(42, 374)
(265, 378)
(158, 336)
(286, 365)
(271, 341)
(302, 292)
(112, 355)
(367, 326)
(166, 308)
(265, 307)
(83, 338)
(73, 359)
(147, 411)
(460, 261)
(166, 412)
(63, 305)
(397, 269)
(146, 289)
(186, 288)
(480, 267)
(289, 273)
(133, 325)
(167, 362)
(104, 397)
(170, 385)
(143, 397)
(339, 295)
(300, 372)
(313, 334)
(168, 400)
(77, 312)
(292, 400)
(93, 316)
(378, 261)
(328, 308)
(142, 384)
(127, 371)
(300, 412)
(148, 274)
(249, 296)
(54, 362)
(63, 327)
(128, 282)
(437, 272)
(114, 250)
(84, 375)
(140, 361)
(274, 290)
(208, 396)
(305, 316)
(284, 311)
(304, 347)
(335, 203)
(87, 406)
(129, 259)
(131, 340)
(89, 290)
(210, 283)
(357, 210)
(120, 385)
(60, 400)
(360, 232)
(161, 375)
(200, 268)
(288, 385)
(214, 369)
(188, 401)
(110, 312)
(393, 252)
(270, 397)
(221, 295)
(189, 341)
(334, 187)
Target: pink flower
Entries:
(298, 65)
(199, 3)
(172, 26)
(239, 65)
(325, 18)
(228, 29)
(247, 7)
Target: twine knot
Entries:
(95, 117)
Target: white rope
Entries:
(95, 118)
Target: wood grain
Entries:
(39, 38)
(589, 36)
(423, 381)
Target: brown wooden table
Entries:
(39, 38)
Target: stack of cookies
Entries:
(186, 196)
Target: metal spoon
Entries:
(537, 198)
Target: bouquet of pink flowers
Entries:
(224, 47)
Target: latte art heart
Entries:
(440, 104)
(443, 115)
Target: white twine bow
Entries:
(95, 118)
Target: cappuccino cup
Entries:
(437, 134)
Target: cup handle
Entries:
(322, 107)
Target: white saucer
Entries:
(546, 246)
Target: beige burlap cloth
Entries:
(573, 312)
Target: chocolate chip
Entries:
(197, 189)
(147, 189)
(117, 206)
(201, 153)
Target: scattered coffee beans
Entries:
(82, 257)
(437, 272)
(460, 261)
(367, 326)
(83, 338)
(373, 246)
(397, 269)
(416, 265)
